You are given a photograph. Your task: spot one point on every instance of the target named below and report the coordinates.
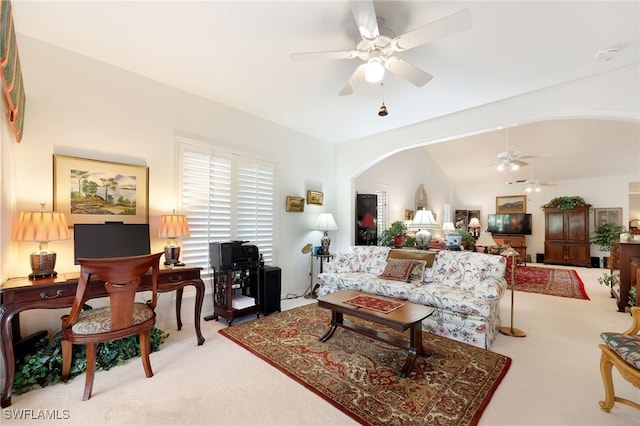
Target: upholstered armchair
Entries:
(621, 350)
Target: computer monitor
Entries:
(110, 239)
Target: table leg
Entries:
(336, 319)
(7, 356)
(179, 307)
(416, 348)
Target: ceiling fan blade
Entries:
(365, 15)
(356, 78)
(407, 71)
(337, 54)
(458, 22)
(519, 163)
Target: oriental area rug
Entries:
(552, 281)
(359, 375)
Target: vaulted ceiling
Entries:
(239, 53)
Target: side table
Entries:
(313, 289)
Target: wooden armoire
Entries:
(566, 236)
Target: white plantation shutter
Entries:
(383, 221)
(225, 197)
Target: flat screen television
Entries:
(110, 239)
(516, 224)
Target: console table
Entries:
(21, 294)
(622, 257)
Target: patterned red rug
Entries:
(552, 281)
(359, 375)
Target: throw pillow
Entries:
(397, 269)
(417, 272)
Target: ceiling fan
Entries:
(378, 51)
(534, 185)
(510, 160)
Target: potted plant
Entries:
(604, 237)
(394, 235)
(468, 240)
(608, 279)
(565, 202)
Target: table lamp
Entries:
(474, 224)
(42, 226)
(424, 221)
(326, 223)
(486, 240)
(511, 331)
(172, 227)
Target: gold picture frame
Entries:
(315, 197)
(511, 204)
(94, 191)
(295, 204)
(612, 215)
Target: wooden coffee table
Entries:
(408, 316)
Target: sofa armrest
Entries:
(490, 288)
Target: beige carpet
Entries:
(554, 379)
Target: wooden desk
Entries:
(21, 294)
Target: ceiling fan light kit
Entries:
(378, 50)
(374, 72)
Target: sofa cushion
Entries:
(417, 272)
(343, 262)
(465, 269)
(397, 269)
(372, 259)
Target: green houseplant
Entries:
(604, 237)
(43, 365)
(394, 235)
(565, 202)
(468, 241)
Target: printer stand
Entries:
(231, 291)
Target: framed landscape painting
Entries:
(511, 204)
(93, 191)
(611, 216)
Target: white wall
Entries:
(80, 107)
(404, 172)
(608, 95)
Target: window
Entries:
(225, 197)
(383, 221)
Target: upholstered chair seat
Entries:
(98, 320)
(621, 350)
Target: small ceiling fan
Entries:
(378, 51)
(534, 185)
(510, 160)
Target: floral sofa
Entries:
(464, 287)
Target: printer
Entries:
(233, 255)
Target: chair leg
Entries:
(145, 350)
(91, 370)
(605, 371)
(66, 359)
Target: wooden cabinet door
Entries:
(554, 251)
(579, 253)
(577, 226)
(554, 228)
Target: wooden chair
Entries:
(621, 350)
(121, 318)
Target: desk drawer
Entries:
(35, 294)
(177, 275)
